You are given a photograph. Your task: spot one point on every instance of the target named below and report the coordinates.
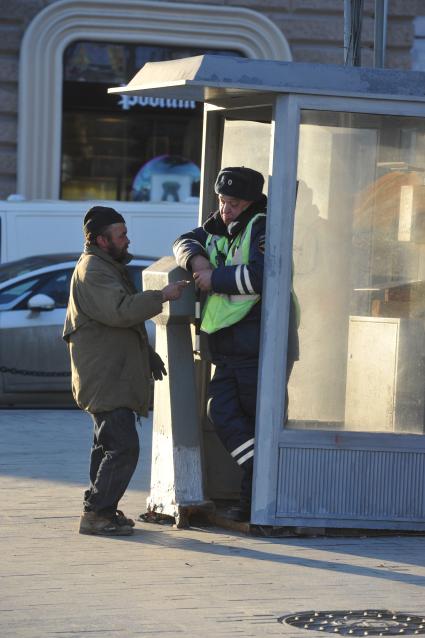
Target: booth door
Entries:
(352, 453)
(245, 136)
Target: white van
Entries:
(44, 227)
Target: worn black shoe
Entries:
(123, 520)
(92, 523)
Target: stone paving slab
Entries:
(164, 581)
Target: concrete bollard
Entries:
(177, 483)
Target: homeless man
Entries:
(111, 363)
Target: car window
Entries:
(57, 287)
(24, 266)
(15, 292)
(20, 267)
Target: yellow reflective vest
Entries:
(221, 310)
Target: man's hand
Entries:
(158, 370)
(203, 279)
(173, 291)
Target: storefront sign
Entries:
(126, 102)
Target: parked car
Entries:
(33, 298)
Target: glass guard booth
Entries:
(344, 153)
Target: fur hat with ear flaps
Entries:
(240, 182)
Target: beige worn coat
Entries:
(107, 339)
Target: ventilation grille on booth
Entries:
(360, 484)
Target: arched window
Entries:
(164, 24)
(124, 147)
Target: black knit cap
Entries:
(98, 217)
(240, 182)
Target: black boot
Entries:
(240, 512)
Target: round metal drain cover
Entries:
(367, 622)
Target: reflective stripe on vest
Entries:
(221, 310)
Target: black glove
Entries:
(158, 370)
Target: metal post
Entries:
(353, 16)
(347, 29)
(380, 35)
(177, 464)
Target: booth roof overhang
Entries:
(213, 78)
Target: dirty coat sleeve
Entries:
(102, 297)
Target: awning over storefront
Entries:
(210, 78)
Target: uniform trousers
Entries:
(232, 405)
(231, 408)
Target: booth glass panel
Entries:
(247, 143)
(359, 274)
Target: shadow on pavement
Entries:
(381, 550)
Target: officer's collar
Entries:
(215, 225)
(234, 228)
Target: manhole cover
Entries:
(367, 622)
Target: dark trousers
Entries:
(113, 459)
(231, 409)
(232, 400)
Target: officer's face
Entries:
(231, 208)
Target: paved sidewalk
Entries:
(163, 581)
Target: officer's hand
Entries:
(158, 370)
(173, 291)
(203, 279)
(199, 262)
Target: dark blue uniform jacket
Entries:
(238, 344)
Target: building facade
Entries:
(62, 136)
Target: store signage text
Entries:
(128, 101)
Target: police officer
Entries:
(226, 258)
